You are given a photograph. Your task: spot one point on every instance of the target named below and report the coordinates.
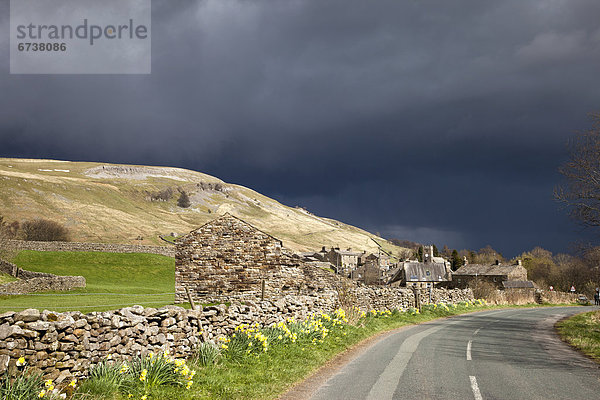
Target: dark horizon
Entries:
(432, 122)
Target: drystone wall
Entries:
(168, 251)
(57, 283)
(62, 345)
(554, 297)
(31, 281)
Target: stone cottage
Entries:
(426, 274)
(228, 258)
(344, 261)
(496, 274)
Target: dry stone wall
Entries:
(58, 283)
(31, 281)
(67, 344)
(168, 251)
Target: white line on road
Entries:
(469, 350)
(389, 379)
(477, 331)
(475, 388)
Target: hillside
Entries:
(112, 203)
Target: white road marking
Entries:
(469, 350)
(475, 388)
(389, 379)
(476, 332)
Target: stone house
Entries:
(228, 258)
(423, 274)
(494, 273)
(344, 261)
(369, 273)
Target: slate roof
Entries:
(517, 284)
(417, 272)
(479, 269)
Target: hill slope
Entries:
(119, 203)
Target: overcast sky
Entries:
(439, 121)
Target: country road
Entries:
(503, 354)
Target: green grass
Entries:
(582, 331)
(6, 278)
(127, 278)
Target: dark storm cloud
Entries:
(440, 121)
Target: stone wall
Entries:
(554, 297)
(31, 281)
(168, 251)
(55, 283)
(8, 268)
(67, 344)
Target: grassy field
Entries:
(113, 281)
(583, 332)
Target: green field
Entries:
(113, 281)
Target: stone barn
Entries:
(227, 258)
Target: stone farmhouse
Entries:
(423, 274)
(344, 261)
(500, 275)
(228, 258)
(367, 268)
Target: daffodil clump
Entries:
(139, 376)
(27, 385)
(252, 339)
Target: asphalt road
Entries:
(505, 354)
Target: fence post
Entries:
(191, 300)
(417, 293)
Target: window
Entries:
(495, 279)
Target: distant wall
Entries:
(58, 283)
(31, 281)
(78, 246)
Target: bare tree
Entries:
(581, 192)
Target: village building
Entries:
(368, 273)
(500, 275)
(229, 258)
(426, 274)
(344, 261)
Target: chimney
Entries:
(519, 262)
(323, 249)
(465, 261)
(497, 262)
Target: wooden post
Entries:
(417, 293)
(262, 289)
(189, 296)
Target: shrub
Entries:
(184, 200)
(44, 230)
